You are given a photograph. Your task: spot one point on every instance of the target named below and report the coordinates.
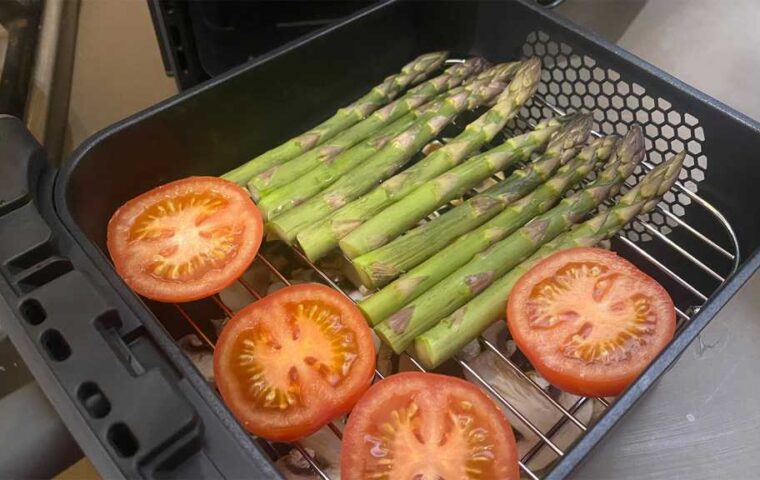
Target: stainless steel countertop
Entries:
(702, 420)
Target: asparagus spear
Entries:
(423, 277)
(378, 267)
(311, 183)
(326, 172)
(400, 329)
(452, 333)
(323, 236)
(278, 175)
(413, 72)
(390, 158)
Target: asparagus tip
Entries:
(677, 162)
(575, 132)
(478, 64)
(568, 117)
(633, 141)
(533, 62)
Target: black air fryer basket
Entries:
(133, 400)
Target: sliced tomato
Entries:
(589, 321)
(185, 240)
(289, 363)
(426, 426)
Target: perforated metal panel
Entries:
(574, 82)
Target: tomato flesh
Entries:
(589, 321)
(291, 362)
(185, 240)
(426, 426)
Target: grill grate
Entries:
(653, 258)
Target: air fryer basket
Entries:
(136, 404)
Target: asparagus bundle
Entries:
(322, 237)
(429, 196)
(413, 72)
(326, 172)
(390, 158)
(400, 329)
(452, 333)
(274, 177)
(382, 265)
(423, 277)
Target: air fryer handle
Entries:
(112, 387)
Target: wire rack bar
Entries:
(312, 461)
(527, 470)
(271, 451)
(490, 346)
(274, 270)
(553, 430)
(249, 288)
(319, 271)
(219, 303)
(416, 364)
(537, 431)
(334, 428)
(198, 330)
(680, 250)
(670, 273)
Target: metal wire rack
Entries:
(696, 297)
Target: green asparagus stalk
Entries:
(383, 164)
(380, 266)
(402, 215)
(313, 182)
(423, 277)
(326, 172)
(272, 178)
(322, 237)
(413, 72)
(400, 329)
(449, 335)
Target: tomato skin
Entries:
(435, 394)
(135, 259)
(595, 377)
(321, 402)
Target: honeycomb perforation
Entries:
(578, 82)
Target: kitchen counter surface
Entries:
(701, 421)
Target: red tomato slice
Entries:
(185, 240)
(589, 321)
(289, 363)
(426, 426)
